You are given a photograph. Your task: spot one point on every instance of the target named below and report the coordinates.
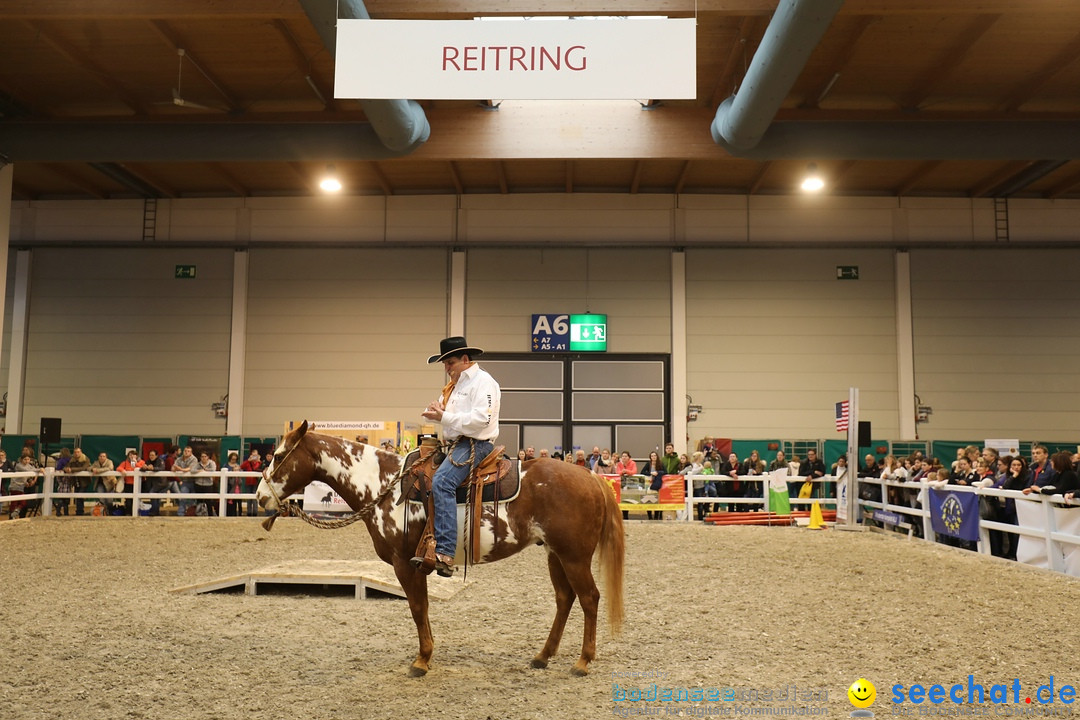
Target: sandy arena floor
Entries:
(91, 630)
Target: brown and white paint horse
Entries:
(565, 508)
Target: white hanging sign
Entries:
(558, 59)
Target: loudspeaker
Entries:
(50, 430)
(864, 433)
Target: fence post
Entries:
(928, 524)
(136, 492)
(223, 489)
(1054, 558)
(47, 490)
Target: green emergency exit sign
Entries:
(185, 272)
(847, 272)
(588, 333)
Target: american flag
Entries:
(842, 416)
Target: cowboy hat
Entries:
(451, 345)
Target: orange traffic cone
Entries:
(816, 521)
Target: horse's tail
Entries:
(612, 554)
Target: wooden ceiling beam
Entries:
(500, 171)
(569, 176)
(323, 91)
(231, 180)
(142, 10)
(1030, 86)
(21, 192)
(678, 8)
(304, 176)
(456, 178)
(680, 182)
(999, 176)
(939, 68)
(67, 175)
(85, 62)
(142, 174)
(733, 65)
(381, 178)
(759, 179)
(1064, 187)
(635, 182)
(911, 181)
(840, 62)
(177, 43)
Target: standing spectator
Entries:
(754, 465)
(696, 464)
(591, 459)
(1016, 477)
(204, 482)
(530, 453)
(1065, 478)
(158, 483)
(654, 470)
(732, 487)
(964, 474)
(252, 464)
(670, 460)
(104, 480)
(780, 463)
(126, 484)
(1041, 471)
(232, 464)
(626, 465)
(812, 469)
(580, 459)
(79, 463)
(61, 506)
(522, 457)
(544, 453)
(605, 464)
(183, 466)
(868, 491)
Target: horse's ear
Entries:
(300, 431)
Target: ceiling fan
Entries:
(178, 98)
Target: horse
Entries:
(567, 509)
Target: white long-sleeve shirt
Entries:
(473, 407)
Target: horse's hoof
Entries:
(417, 671)
(539, 663)
(579, 671)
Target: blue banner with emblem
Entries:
(955, 514)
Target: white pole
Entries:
(853, 463)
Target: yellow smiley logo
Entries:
(862, 693)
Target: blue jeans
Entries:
(444, 487)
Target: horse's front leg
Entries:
(415, 586)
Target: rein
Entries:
(286, 509)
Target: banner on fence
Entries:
(318, 497)
(955, 514)
(673, 489)
(779, 501)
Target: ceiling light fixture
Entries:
(813, 181)
(330, 182)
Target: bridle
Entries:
(287, 509)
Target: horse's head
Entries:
(290, 470)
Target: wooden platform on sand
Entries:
(364, 576)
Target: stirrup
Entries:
(443, 568)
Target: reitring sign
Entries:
(539, 59)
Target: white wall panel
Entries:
(342, 334)
(774, 340)
(632, 286)
(118, 345)
(995, 342)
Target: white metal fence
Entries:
(46, 491)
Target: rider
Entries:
(469, 413)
